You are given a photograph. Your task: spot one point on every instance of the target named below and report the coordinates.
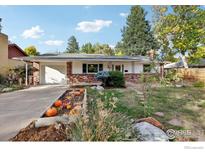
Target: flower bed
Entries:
(56, 120)
(70, 103)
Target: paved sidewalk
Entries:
(19, 108)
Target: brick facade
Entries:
(88, 78)
(69, 69)
(132, 77)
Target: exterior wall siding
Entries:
(74, 71)
(14, 52)
(6, 53)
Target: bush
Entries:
(198, 84)
(2, 79)
(117, 79)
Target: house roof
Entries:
(84, 57)
(201, 63)
(19, 49)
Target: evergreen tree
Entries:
(137, 37)
(73, 46)
(87, 48)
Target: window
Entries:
(92, 68)
(117, 67)
(146, 68)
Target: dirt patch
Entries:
(56, 132)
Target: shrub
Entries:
(111, 78)
(2, 79)
(117, 79)
(198, 84)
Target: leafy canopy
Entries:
(31, 51)
(184, 29)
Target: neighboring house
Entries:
(7, 52)
(82, 67)
(199, 64)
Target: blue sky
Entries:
(49, 27)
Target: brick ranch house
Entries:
(62, 69)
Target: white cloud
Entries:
(34, 33)
(93, 26)
(54, 42)
(122, 14)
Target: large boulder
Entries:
(99, 88)
(148, 132)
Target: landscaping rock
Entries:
(160, 114)
(99, 88)
(7, 89)
(42, 122)
(175, 122)
(152, 121)
(93, 87)
(148, 132)
(178, 85)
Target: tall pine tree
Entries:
(137, 37)
(73, 46)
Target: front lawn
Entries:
(185, 104)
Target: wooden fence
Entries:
(192, 74)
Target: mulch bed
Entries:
(56, 132)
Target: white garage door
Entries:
(55, 74)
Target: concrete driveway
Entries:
(19, 108)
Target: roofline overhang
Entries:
(61, 59)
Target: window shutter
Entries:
(84, 68)
(100, 67)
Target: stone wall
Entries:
(88, 78)
(69, 69)
(132, 77)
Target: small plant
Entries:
(199, 84)
(2, 79)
